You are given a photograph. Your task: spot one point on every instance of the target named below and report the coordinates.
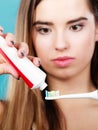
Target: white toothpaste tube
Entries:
(32, 75)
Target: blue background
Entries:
(8, 15)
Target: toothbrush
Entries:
(52, 95)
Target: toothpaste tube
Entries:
(32, 75)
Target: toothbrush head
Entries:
(52, 95)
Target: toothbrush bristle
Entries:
(52, 93)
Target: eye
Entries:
(77, 27)
(42, 30)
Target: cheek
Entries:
(42, 46)
(43, 52)
(85, 39)
(82, 44)
(89, 43)
(86, 45)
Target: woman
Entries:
(63, 35)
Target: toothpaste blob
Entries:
(32, 75)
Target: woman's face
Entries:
(64, 37)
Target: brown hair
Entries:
(28, 107)
(93, 4)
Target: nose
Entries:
(61, 41)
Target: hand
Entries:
(5, 67)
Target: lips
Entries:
(63, 61)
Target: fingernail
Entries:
(22, 54)
(12, 42)
(18, 78)
(37, 62)
(1, 30)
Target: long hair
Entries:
(93, 4)
(25, 108)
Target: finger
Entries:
(35, 60)
(3, 35)
(10, 38)
(1, 30)
(6, 68)
(2, 59)
(23, 49)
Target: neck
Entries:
(71, 85)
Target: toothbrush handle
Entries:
(93, 95)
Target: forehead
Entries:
(48, 9)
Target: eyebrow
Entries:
(77, 20)
(42, 23)
(50, 23)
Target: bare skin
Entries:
(65, 37)
(81, 114)
(5, 67)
